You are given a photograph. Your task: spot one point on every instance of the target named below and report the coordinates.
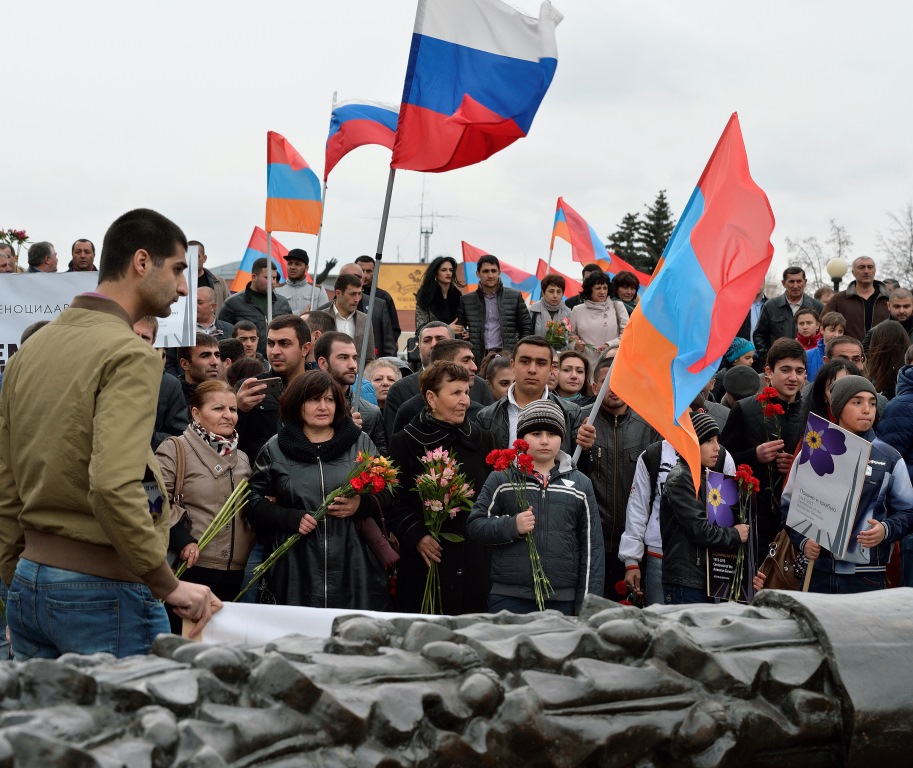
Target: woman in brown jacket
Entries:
(213, 466)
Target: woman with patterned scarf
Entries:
(211, 465)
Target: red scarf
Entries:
(809, 342)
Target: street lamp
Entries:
(837, 268)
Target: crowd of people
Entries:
(155, 441)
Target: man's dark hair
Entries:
(536, 341)
(138, 229)
(487, 259)
(243, 325)
(82, 240)
(198, 244)
(202, 340)
(38, 252)
(324, 345)
(785, 349)
(243, 368)
(591, 267)
(592, 280)
(259, 265)
(829, 347)
(347, 281)
(365, 260)
(447, 349)
(793, 270)
(320, 320)
(605, 362)
(552, 279)
(230, 349)
(32, 330)
(307, 386)
(302, 332)
(434, 324)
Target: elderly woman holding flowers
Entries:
(462, 566)
(205, 466)
(332, 564)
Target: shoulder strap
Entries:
(653, 456)
(180, 469)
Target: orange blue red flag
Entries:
(710, 272)
(256, 249)
(292, 189)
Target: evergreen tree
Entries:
(625, 241)
(655, 230)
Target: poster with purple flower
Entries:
(825, 484)
(723, 579)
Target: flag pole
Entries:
(593, 411)
(363, 355)
(323, 200)
(548, 264)
(269, 278)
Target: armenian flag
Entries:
(256, 249)
(511, 276)
(292, 189)
(708, 276)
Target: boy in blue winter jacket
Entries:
(885, 512)
(563, 516)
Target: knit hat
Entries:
(299, 254)
(741, 381)
(845, 389)
(542, 414)
(705, 426)
(738, 348)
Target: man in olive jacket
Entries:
(494, 317)
(83, 516)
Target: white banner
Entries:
(31, 297)
(253, 624)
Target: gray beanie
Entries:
(843, 390)
(705, 426)
(741, 381)
(542, 414)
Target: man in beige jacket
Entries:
(83, 515)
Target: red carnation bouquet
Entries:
(517, 464)
(371, 475)
(748, 486)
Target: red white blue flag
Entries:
(477, 72)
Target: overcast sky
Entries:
(110, 106)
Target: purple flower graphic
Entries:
(820, 444)
(720, 499)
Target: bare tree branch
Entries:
(897, 244)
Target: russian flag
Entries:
(356, 123)
(511, 276)
(708, 276)
(586, 247)
(256, 249)
(292, 189)
(477, 72)
(572, 287)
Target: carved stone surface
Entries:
(792, 680)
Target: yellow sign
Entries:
(402, 281)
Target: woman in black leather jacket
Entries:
(331, 566)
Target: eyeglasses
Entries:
(855, 359)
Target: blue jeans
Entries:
(52, 611)
(675, 594)
(254, 559)
(498, 603)
(651, 580)
(845, 583)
